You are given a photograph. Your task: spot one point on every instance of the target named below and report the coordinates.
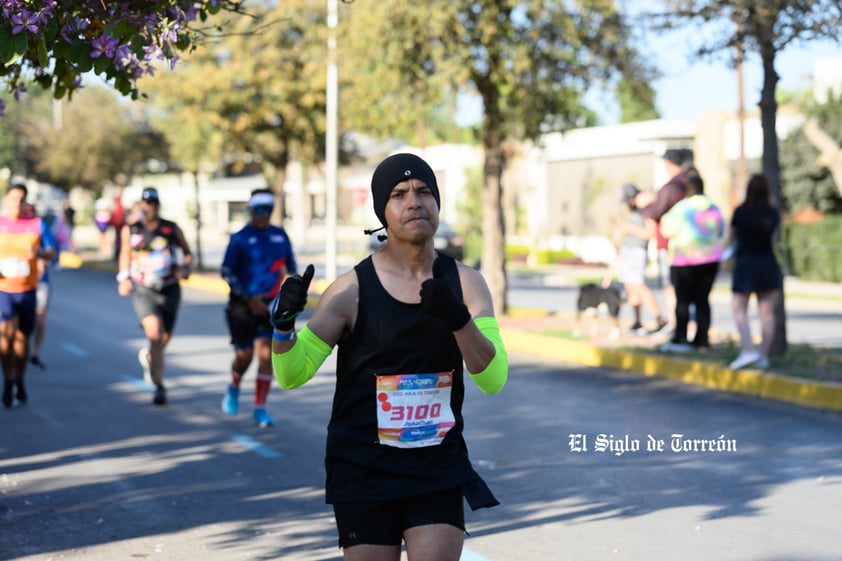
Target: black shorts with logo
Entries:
(384, 522)
(243, 325)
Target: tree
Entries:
(530, 63)
(54, 43)
(256, 90)
(91, 142)
(765, 28)
(827, 144)
(637, 102)
(811, 160)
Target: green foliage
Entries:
(805, 185)
(89, 142)
(253, 93)
(636, 104)
(54, 43)
(814, 251)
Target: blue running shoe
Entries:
(231, 401)
(262, 418)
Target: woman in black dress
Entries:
(755, 270)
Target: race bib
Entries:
(14, 268)
(413, 410)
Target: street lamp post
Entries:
(331, 144)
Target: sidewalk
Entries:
(545, 335)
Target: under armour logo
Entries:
(408, 172)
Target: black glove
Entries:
(439, 300)
(290, 300)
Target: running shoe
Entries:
(143, 359)
(676, 347)
(36, 362)
(745, 358)
(637, 329)
(231, 401)
(8, 388)
(657, 329)
(21, 393)
(262, 418)
(160, 397)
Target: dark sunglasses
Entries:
(262, 209)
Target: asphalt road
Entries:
(89, 469)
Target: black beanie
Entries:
(392, 171)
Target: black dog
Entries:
(593, 296)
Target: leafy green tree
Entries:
(256, 90)
(824, 131)
(764, 28)
(54, 43)
(637, 102)
(95, 140)
(806, 182)
(530, 63)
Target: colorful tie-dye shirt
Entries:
(694, 227)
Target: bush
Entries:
(814, 251)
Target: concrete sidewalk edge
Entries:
(755, 383)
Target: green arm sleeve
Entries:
(296, 366)
(493, 378)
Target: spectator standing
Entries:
(23, 240)
(149, 263)
(118, 220)
(255, 262)
(70, 220)
(632, 259)
(102, 219)
(756, 271)
(694, 227)
(676, 162)
(405, 319)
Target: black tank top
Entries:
(153, 258)
(393, 337)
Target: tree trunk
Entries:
(493, 225)
(771, 169)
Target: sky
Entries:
(687, 87)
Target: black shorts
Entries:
(162, 303)
(22, 305)
(756, 274)
(384, 522)
(244, 326)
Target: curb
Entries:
(755, 383)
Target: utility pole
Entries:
(741, 176)
(331, 144)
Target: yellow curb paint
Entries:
(749, 382)
(69, 260)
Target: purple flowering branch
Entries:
(54, 45)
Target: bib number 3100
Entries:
(413, 410)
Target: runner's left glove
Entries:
(290, 300)
(438, 299)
